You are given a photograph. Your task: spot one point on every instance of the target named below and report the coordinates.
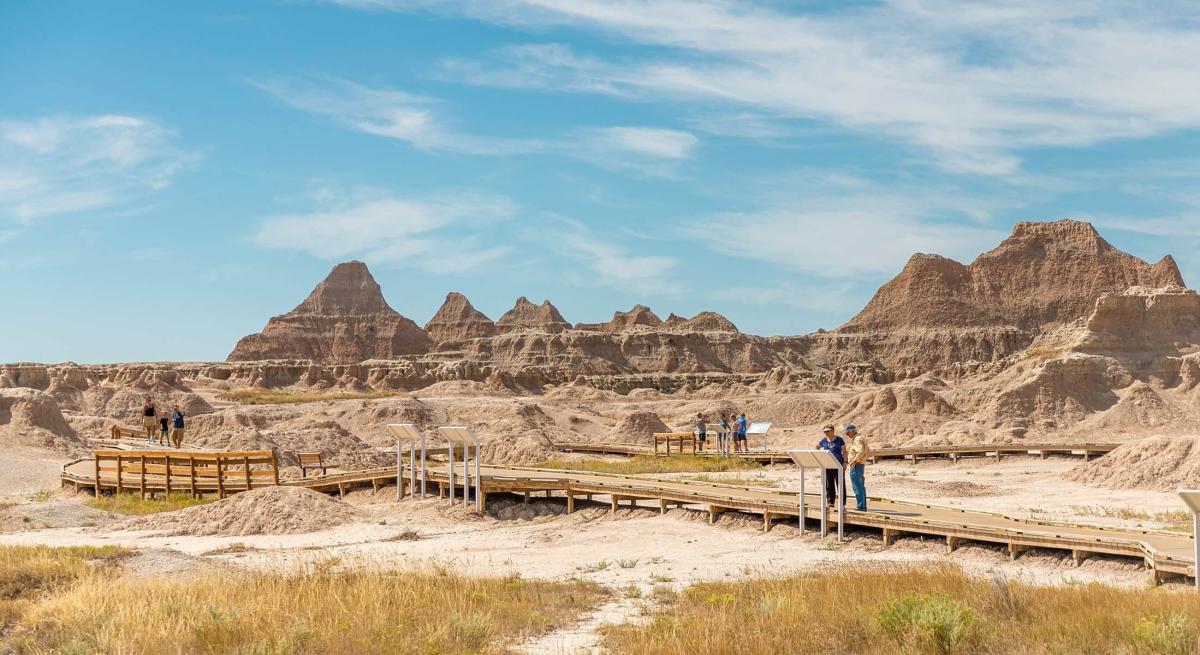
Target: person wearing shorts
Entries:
(176, 426)
(149, 419)
(739, 435)
(701, 431)
(164, 428)
(723, 436)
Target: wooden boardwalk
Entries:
(953, 453)
(1164, 554)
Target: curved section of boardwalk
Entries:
(1162, 552)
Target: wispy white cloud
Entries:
(421, 122)
(443, 234)
(70, 164)
(970, 83)
(610, 263)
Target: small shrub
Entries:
(924, 623)
(1173, 635)
(627, 563)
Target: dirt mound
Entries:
(900, 410)
(344, 319)
(1161, 463)
(457, 319)
(270, 510)
(32, 418)
(637, 427)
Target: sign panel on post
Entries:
(825, 461)
(1192, 498)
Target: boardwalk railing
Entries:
(148, 471)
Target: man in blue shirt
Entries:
(837, 446)
(739, 435)
(176, 426)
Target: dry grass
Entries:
(280, 397)
(910, 610)
(736, 480)
(27, 573)
(320, 611)
(1172, 521)
(1042, 353)
(646, 464)
(133, 505)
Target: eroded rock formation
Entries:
(458, 320)
(344, 319)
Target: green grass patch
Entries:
(646, 464)
(912, 609)
(281, 397)
(132, 505)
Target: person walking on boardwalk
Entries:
(857, 461)
(149, 419)
(739, 435)
(701, 431)
(837, 446)
(176, 426)
(164, 428)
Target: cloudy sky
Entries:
(172, 174)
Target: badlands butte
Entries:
(1053, 335)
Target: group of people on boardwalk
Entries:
(169, 426)
(853, 459)
(731, 432)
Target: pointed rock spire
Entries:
(527, 316)
(344, 319)
(458, 320)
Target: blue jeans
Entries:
(858, 481)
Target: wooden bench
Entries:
(194, 472)
(311, 461)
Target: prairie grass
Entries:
(647, 464)
(1179, 520)
(27, 573)
(900, 609)
(736, 480)
(320, 611)
(1042, 353)
(282, 397)
(133, 505)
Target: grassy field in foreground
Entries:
(910, 610)
(640, 464)
(55, 602)
(282, 397)
(133, 505)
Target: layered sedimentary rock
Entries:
(458, 320)
(702, 322)
(526, 316)
(638, 317)
(344, 319)
(938, 311)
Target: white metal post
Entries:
(412, 469)
(802, 501)
(841, 500)
(824, 506)
(450, 467)
(399, 472)
(466, 473)
(478, 484)
(1196, 545)
(424, 471)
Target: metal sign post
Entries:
(410, 434)
(763, 429)
(1192, 498)
(462, 435)
(825, 461)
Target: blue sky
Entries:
(172, 174)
